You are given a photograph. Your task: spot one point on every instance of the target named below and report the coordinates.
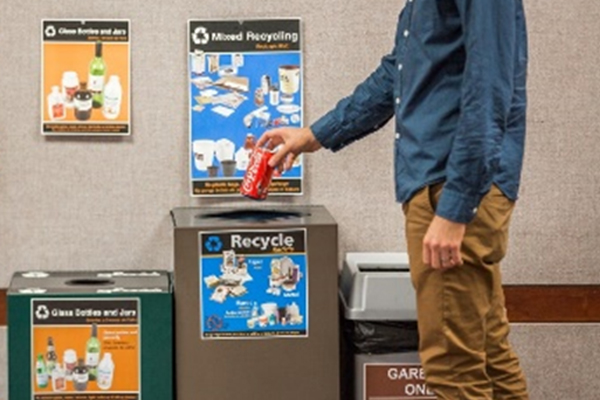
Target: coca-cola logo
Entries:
(251, 172)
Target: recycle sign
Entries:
(50, 31)
(42, 312)
(213, 244)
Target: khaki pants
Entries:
(463, 326)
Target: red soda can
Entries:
(258, 175)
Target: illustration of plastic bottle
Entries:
(56, 105)
(41, 373)
(70, 362)
(113, 94)
(106, 371)
(59, 379)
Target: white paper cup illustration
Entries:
(204, 152)
(225, 149)
(198, 62)
(289, 79)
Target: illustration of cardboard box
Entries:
(90, 335)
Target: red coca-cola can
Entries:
(258, 175)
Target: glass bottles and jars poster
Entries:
(244, 77)
(86, 77)
(86, 347)
(253, 284)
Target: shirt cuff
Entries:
(326, 131)
(457, 207)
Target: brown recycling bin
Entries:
(256, 304)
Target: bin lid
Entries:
(377, 287)
(90, 282)
(236, 217)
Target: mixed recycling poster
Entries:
(85, 349)
(85, 78)
(245, 77)
(253, 284)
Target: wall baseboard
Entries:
(525, 303)
(553, 303)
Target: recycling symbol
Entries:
(42, 312)
(213, 244)
(200, 35)
(50, 31)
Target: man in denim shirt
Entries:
(456, 83)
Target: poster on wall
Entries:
(253, 284)
(88, 349)
(86, 78)
(245, 77)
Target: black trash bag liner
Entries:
(381, 337)
(255, 215)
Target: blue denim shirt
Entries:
(456, 82)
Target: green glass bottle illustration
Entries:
(92, 354)
(97, 76)
(41, 373)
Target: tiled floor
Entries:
(561, 361)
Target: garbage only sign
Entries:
(395, 382)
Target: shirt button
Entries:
(400, 67)
(475, 210)
(406, 33)
(397, 136)
(398, 100)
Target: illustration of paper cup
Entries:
(204, 151)
(228, 167)
(289, 79)
(225, 149)
(213, 171)
(198, 62)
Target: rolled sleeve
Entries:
(458, 207)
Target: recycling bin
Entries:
(256, 305)
(103, 335)
(379, 357)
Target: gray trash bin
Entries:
(380, 337)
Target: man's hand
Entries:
(441, 245)
(293, 141)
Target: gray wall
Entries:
(83, 204)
